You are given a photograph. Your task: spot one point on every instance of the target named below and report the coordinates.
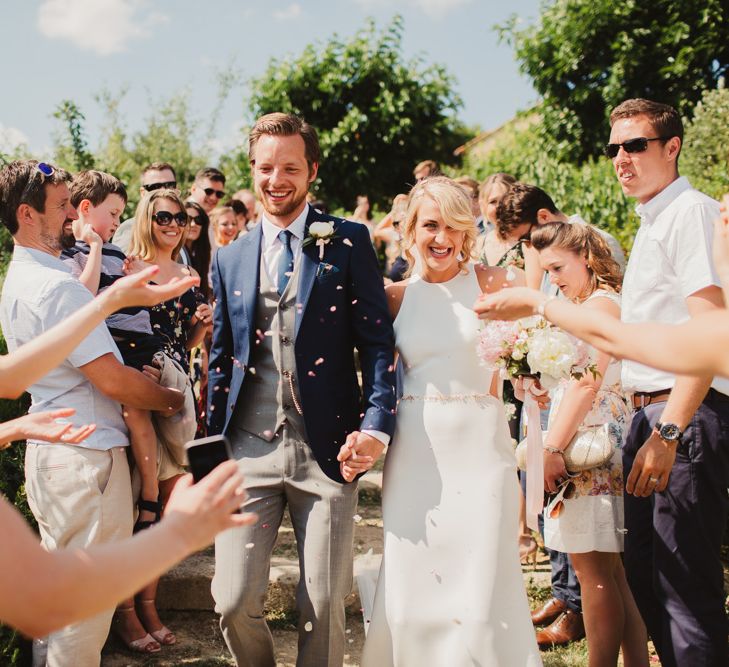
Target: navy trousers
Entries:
(673, 540)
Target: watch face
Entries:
(670, 432)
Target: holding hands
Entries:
(358, 454)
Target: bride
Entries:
(450, 590)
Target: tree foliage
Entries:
(586, 56)
(72, 151)
(376, 113)
(705, 155)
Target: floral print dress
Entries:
(592, 518)
(171, 322)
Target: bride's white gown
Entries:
(450, 591)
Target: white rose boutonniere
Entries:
(320, 233)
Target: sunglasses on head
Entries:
(165, 218)
(637, 145)
(169, 185)
(209, 192)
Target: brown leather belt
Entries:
(643, 398)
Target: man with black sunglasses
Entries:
(155, 176)
(208, 188)
(676, 457)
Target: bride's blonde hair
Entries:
(455, 209)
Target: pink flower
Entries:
(496, 341)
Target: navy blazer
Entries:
(343, 307)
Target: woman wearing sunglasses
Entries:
(197, 247)
(584, 512)
(160, 231)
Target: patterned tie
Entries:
(285, 262)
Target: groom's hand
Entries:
(358, 454)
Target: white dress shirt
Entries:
(39, 292)
(670, 260)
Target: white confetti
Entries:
(237, 292)
(308, 626)
(250, 545)
(347, 242)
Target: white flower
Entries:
(321, 230)
(551, 352)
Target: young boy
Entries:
(100, 199)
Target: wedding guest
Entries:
(251, 204)
(696, 346)
(678, 437)
(388, 232)
(490, 193)
(363, 214)
(425, 169)
(208, 188)
(154, 176)
(508, 243)
(37, 293)
(584, 517)
(525, 203)
(181, 324)
(470, 185)
(224, 226)
(197, 245)
(241, 214)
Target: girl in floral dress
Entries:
(584, 513)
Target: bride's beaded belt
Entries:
(447, 398)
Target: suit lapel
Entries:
(249, 263)
(309, 264)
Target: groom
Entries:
(295, 296)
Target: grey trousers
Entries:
(278, 473)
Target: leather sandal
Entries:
(145, 645)
(148, 506)
(164, 636)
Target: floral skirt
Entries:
(592, 518)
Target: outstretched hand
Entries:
(201, 511)
(51, 426)
(135, 290)
(511, 303)
(358, 454)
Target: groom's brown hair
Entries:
(285, 125)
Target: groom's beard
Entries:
(284, 208)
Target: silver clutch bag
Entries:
(591, 447)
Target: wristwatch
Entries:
(668, 431)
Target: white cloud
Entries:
(101, 26)
(293, 11)
(435, 9)
(11, 138)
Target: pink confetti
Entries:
(347, 242)
(237, 292)
(333, 308)
(319, 361)
(311, 374)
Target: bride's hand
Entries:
(358, 454)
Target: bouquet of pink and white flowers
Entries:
(533, 347)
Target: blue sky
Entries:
(56, 49)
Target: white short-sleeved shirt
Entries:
(39, 292)
(670, 260)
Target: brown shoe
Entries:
(568, 627)
(548, 612)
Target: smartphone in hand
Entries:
(206, 454)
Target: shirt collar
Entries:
(649, 211)
(297, 227)
(25, 254)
